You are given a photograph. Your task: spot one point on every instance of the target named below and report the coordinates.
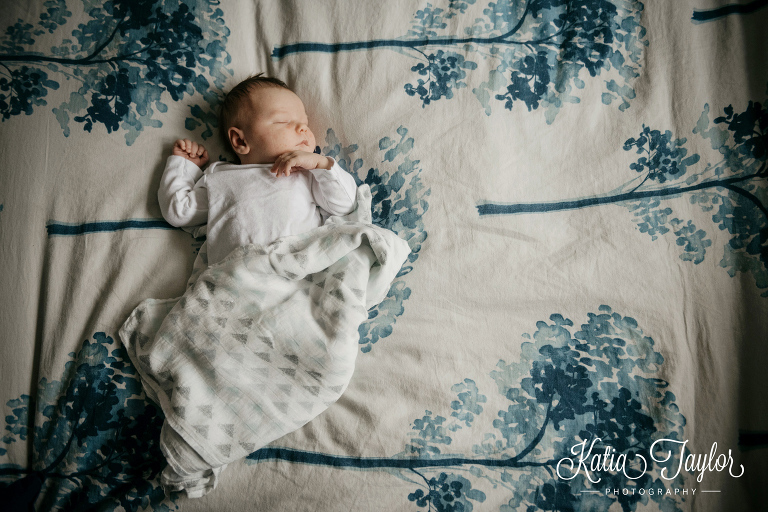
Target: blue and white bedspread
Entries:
(581, 322)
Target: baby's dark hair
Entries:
(235, 98)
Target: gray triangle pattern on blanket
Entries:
(264, 340)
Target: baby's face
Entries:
(275, 123)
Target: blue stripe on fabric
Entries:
(338, 461)
(704, 16)
(66, 229)
(283, 51)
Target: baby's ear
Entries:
(237, 140)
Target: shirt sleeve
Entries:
(334, 190)
(183, 196)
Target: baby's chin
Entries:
(299, 147)
(308, 148)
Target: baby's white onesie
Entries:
(247, 204)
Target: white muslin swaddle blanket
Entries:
(260, 343)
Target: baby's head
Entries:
(261, 118)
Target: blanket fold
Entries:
(261, 343)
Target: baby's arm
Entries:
(183, 196)
(333, 188)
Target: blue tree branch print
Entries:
(126, 57)
(569, 386)
(538, 52)
(734, 189)
(399, 201)
(95, 440)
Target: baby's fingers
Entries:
(282, 170)
(187, 146)
(288, 165)
(278, 166)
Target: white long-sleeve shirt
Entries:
(246, 204)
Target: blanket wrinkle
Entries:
(260, 343)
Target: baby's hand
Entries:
(299, 161)
(192, 151)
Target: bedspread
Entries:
(581, 321)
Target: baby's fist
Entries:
(293, 161)
(192, 151)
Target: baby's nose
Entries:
(302, 127)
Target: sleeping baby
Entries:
(281, 187)
(265, 337)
